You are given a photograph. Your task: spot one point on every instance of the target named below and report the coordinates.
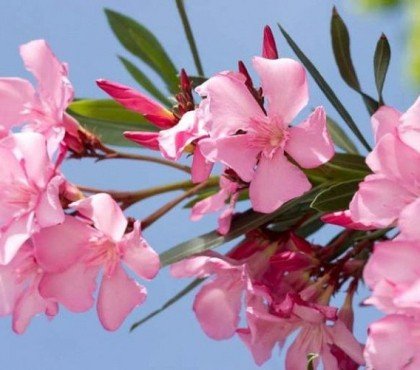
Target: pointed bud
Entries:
(144, 138)
(269, 50)
(185, 80)
(346, 314)
(243, 70)
(133, 100)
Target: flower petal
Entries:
(310, 144)
(409, 129)
(118, 296)
(201, 168)
(49, 211)
(385, 121)
(408, 221)
(275, 182)
(144, 138)
(284, 86)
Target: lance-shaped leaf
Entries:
(326, 89)
(144, 81)
(340, 138)
(168, 303)
(138, 40)
(341, 46)
(337, 197)
(381, 63)
(243, 223)
(108, 120)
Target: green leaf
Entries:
(340, 138)
(337, 197)
(108, 120)
(326, 89)
(381, 63)
(245, 222)
(168, 303)
(138, 40)
(144, 81)
(341, 46)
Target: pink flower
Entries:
(228, 192)
(29, 191)
(72, 269)
(174, 135)
(42, 109)
(395, 181)
(19, 294)
(393, 343)
(253, 140)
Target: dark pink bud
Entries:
(243, 70)
(144, 138)
(269, 50)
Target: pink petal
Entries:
(139, 256)
(378, 201)
(137, 102)
(276, 181)
(230, 106)
(58, 247)
(409, 129)
(309, 340)
(10, 287)
(72, 288)
(284, 86)
(210, 204)
(385, 121)
(217, 306)
(147, 139)
(344, 219)
(201, 168)
(118, 296)
(310, 144)
(30, 304)
(344, 339)
(408, 221)
(14, 94)
(234, 152)
(105, 213)
(53, 85)
(49, 211)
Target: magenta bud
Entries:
(243, 70)
(269, 50)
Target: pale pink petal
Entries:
(308, 341)
(234, 152)
(105, 213)
(10, 288)
(201, 168)
(139, 256)
(173, 141)
(210, 204)
(30, 303)
(409, 129)
(144, 138)
(201, 266)
(309, 143)
(385, 121)
(378, 201)
(230, 106)
(393, 343)
(118, 296)
(276, 181)
(53, 84)
(72, 288)
(58, 247)
(14, 236)
(395, 160)
(137, 102)
(14, 94)
(284, 85)
(217, 306)
(49, 210)
(408, 221)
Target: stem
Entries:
(173, 203)
(190, 37)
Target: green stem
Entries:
(190, 37)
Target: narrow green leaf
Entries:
(337, 197)
(340, 138)
(108, 120)
(310, 226)
(326, 89)
(249, 220)
(144, 81)
(168, 303)
(138, 40)
(381, 63)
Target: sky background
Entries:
(225, 31)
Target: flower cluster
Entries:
(53, 241)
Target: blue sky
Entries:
(226, 31)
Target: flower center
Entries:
(103, 252)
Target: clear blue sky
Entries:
(226, 31)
